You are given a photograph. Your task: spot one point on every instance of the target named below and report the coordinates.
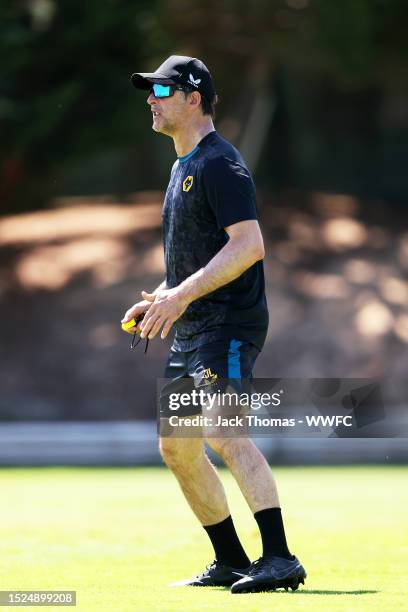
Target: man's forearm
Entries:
(229, 263)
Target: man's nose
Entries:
(151, 98)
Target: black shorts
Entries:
(207, 367)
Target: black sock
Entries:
(272, 533)
(228, 549)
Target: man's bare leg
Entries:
(250, 469)
(254, 477)
(276, 568)
(205, 494)
(197, 478)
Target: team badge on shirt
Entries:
(187, 183)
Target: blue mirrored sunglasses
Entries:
(165, 91)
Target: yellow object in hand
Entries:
(126, 326)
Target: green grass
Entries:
(120, 536)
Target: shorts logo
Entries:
(209, 376)
(187, 183)
(204, 377)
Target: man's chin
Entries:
(156, 127)
(160, 129)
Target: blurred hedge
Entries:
(65, 65)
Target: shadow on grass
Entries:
(314, 592)
(322, 592)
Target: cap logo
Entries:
(193, 81)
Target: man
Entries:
(214, 296)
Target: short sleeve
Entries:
(230, 191)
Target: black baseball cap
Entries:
(178, 70)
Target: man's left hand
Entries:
(167, 305)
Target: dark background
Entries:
(314, 93)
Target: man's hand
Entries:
(133, 313)
(166, 306)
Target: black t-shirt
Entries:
(210, 189)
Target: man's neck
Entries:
(188, 139)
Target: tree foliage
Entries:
(64, 83)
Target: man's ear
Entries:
(195, 98)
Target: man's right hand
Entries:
(133, 312)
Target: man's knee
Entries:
(227, 447)
(180, 452)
